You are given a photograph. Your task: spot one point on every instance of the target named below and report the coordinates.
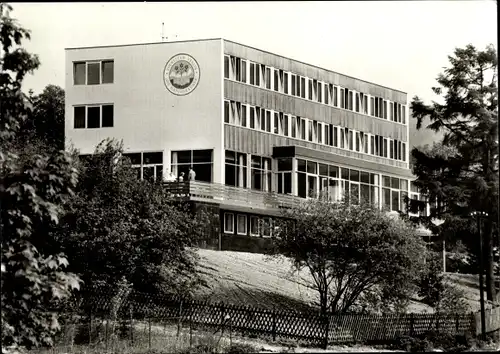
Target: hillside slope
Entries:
(255, 280)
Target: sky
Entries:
(400, 44)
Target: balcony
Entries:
(229, 196)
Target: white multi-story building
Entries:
(260, 130)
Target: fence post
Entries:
(179, 317)
(106, 334)
(190, 324)
(90, 328)
(223, 319)
(326, 319)
(131, 309)
(274, 323)
(412, 325)
(457, 319)
(149, 337)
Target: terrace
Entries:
(230, 196)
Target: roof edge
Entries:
(149, 43)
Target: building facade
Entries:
(260, 131)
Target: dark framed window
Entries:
(79, 117)
(107, 115)
(94, 117)
(79, 73)
(108, 71)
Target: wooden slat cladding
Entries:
(323, 113)
(313, 72)
(262, 143)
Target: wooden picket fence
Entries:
(307, 326)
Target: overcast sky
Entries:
(399, 44)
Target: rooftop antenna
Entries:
(162, 28)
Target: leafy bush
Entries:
(439, 293)
(432, 340)
(237, 348)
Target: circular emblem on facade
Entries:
(181, 74)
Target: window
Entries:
(284, 175)
(107, 116)
(266, 226)
(261, 173)
(285, 83)
(342, 98)
(107, 71)
(226, 66)
(241, 225)
(254, 74)
(276, 80)
(149, 165)
(229, 223)
(335, 99)
(403, 114)
(303, 87)
(92, 117)
(254, 226)
(79, 117)
(200, 160)
(236, 169)
(267, 77)
(93, 72)
(79, 73)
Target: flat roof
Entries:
(244, 45)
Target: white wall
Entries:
(146, 115)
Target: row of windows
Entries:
(236, 168)
(314, 178)
(93, 72)
(240, 224)
(94, 116)
(280, 123)
(314, 90)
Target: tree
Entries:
(47, 121)
(118, 226)
(33, 188)
(350, 252)
(436, 291)
(460, 175)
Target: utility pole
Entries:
(481, 272)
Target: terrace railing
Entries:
(229, 195)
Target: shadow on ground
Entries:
(243, 296)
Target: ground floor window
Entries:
(149, 165)
(254, 226)
(229, 223)
(200, 160)
(242, 224)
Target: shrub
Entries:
(237, 348)
(432, 340)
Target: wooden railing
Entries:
(223, 194)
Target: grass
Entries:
(164, 340)
(253, 279)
